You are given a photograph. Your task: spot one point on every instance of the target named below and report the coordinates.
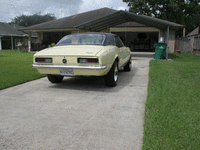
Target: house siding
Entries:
(171, 40)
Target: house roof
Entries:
(101, 19)
(72, 21)
(12, 30)
(194, 32)
(120, 17)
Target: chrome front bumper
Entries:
(70, 67)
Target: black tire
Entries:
(55, 78)
(128, 66)
(111, 77)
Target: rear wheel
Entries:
(55, 78)
(112, 76)
(128, 66)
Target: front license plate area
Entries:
(68, 72)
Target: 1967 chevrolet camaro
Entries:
(84, 54)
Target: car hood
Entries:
(71, 50)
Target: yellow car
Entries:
(84, 54)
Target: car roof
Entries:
(109, 37)
(101, 33)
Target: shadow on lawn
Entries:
(172, 56)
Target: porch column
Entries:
(167, 43)
(29, 41)
(0, 42)
(12, 47)
(40, 37)
(183, 32)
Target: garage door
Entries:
(139, 41)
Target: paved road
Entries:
(80, 113)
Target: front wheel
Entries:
(112, 76)
(55, 78)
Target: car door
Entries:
(123, 51)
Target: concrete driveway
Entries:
(80, 113)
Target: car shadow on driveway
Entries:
(96, 83)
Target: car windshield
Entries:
(82, 39)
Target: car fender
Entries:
(107, 56)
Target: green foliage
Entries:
(26, 21)
(173, 102)
(184, 12)
(53, 44)
(16, 68)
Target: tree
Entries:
(184, 12)
(26, 21)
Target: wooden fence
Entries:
(196, 44)
(182, 45)
(185, 45)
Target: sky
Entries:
(9, 9)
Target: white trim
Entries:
(134, 29)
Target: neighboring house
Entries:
(194, 33)
(139, 32)
(10, 36)
(194, 38)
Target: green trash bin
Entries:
(160, 50)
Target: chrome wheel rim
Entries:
(116, 72)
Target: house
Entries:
(10, 37)
(194, 38)
(140, 32)
(194, 33)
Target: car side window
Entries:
(118, 42)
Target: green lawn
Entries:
(172, 113)
(15, 68)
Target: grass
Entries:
(172, 113)
(15, 68)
